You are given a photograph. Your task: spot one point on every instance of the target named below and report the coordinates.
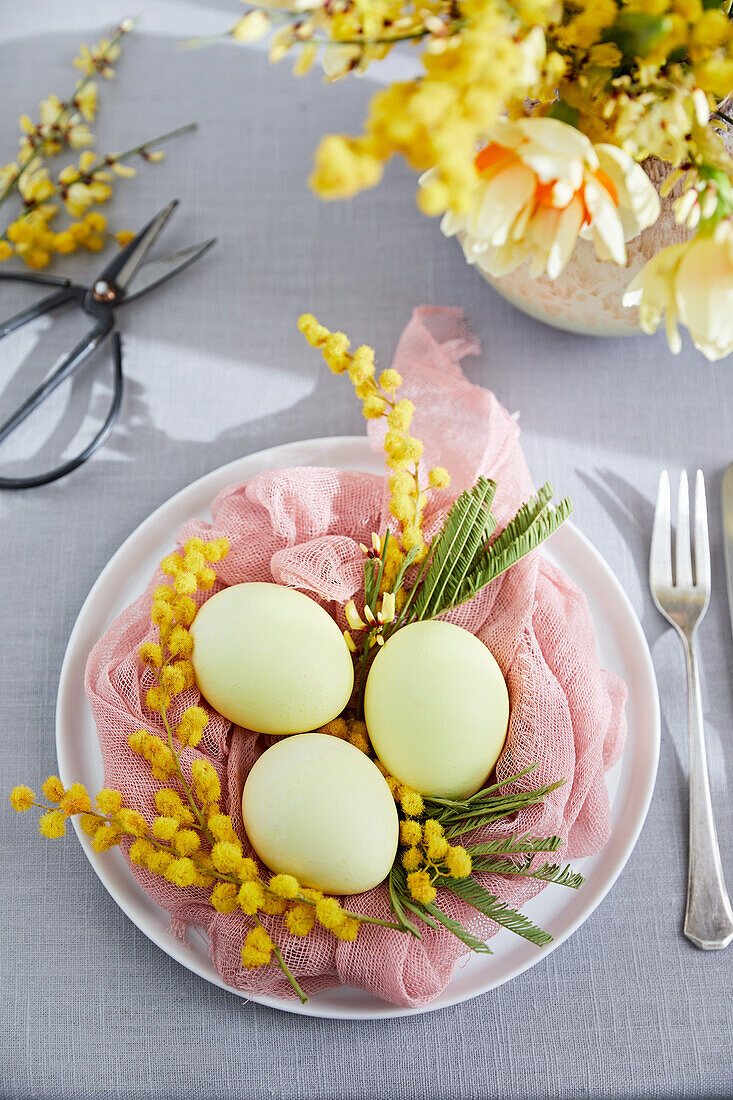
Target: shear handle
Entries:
(74, 359)
(39, 280)
(51, 301)
(91, 447)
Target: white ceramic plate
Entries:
(622, 648)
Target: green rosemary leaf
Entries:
(461, 804)
(502, 783)
(380, 571)
(498, 911)
(467, 527)
(419, 911)
(399, 897)
(516, 844)
(370, 577)
(458, 930)
(526, 515)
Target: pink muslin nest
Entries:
(302, 527)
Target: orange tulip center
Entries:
(495, 158)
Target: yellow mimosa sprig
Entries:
(191, 842)
(402, 450)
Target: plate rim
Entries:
(358, 447)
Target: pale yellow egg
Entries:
(271, 659)
(437, 709)
(318, 808)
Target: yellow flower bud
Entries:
(439, 478)
(458, 862)
(285, 886)
(52, 825)
(22, 798)
(108, 801)
(250, 897)
(53, 789)
(224, 897)
(300, 919)
(420, 886)
(390, 380)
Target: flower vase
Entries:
(587, 296)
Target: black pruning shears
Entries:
(127, 277)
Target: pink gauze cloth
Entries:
(302, 528)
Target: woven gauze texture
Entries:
(302, 527)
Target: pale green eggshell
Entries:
(271, 659)
(437, 709)
(318, 808)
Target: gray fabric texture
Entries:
(215, 369)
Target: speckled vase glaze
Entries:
(587, 297)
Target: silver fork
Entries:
(708, 917)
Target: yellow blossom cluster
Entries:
(99, 58)
(353, 32)
(32, 240)
(172, 611)
(349, 729)
(402, 450)
(64, 125)
(639, 74)
(427, 856)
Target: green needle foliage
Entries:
(478, 946)
(486, 806)
(488, 904)
(512, 855)
(463, 560)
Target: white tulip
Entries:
(542, 184)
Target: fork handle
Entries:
(708, 917)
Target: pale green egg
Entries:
(271, 659)
(437, 709)
(318, 808)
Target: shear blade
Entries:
(121, 271)
(154, 272)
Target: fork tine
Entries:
(682, 553)
(702, 544)
(660, 557)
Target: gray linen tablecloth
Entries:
(216, 369)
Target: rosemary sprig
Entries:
(477, 946)
(467, 528)
(515, 845)
(548, 872)
(399, 899)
